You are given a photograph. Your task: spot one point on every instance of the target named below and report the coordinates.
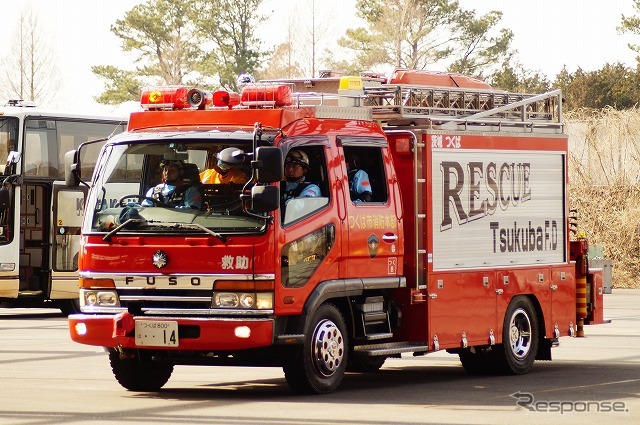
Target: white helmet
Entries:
(245, 79)
(296, 156)
(231, 156)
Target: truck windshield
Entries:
(170, 187)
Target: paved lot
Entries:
(47, 379)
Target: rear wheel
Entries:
(139, 373)
(478, 362)
(520, 337)
(318, 365)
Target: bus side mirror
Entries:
(5, 198)
(268, 164)
(72, 168)
(265, 198)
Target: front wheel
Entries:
(318, 366)
(520, 335)
(139, 373)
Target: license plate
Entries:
(156, 333)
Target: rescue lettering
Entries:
(525, 238)
(504, 185)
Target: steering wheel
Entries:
(155, 202)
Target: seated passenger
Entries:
(296, 165)
(359, 184)
(226, 170)
(173, 191)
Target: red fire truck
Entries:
(464, 243)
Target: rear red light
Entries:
(164, 98)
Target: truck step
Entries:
(389, 348)
(376, 336)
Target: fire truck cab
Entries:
(438, 220)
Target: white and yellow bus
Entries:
(39, 217)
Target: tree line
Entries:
(209, 43)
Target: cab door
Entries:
(372, 227)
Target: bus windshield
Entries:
(169, 187)
(48, 139)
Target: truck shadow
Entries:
(437, 385)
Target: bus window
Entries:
(8, 137)
(73, 133)
(47, 141)
(40, 153)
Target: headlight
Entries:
(99, 298)
(243, 300)
(226, 299)
(243, 294)
(246, 300)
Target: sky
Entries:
(548, 34)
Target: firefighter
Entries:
(359, 184)
(173, 191)
(227, 168)
(296, 165)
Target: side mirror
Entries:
(5, 198)
(269, 165)
(265, 198)
(72, 168)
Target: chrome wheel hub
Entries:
(328, 348)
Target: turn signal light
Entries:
(96, 283)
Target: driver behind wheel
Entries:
(173, 191)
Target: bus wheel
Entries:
(359, 362)
(139, 373)
(69, 306)
(516, 354)
(317, 367)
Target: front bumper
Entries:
(198, 334)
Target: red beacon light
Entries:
(264, 94)
(223, 98)
(164, 98)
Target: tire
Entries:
(363, 363)
(476, 363)
(139, 373)
(318, 366)
(69, 306)
(520, 337)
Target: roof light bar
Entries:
(164, 98)
(273, 95)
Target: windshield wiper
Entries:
(222, 238)
(107, 237)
